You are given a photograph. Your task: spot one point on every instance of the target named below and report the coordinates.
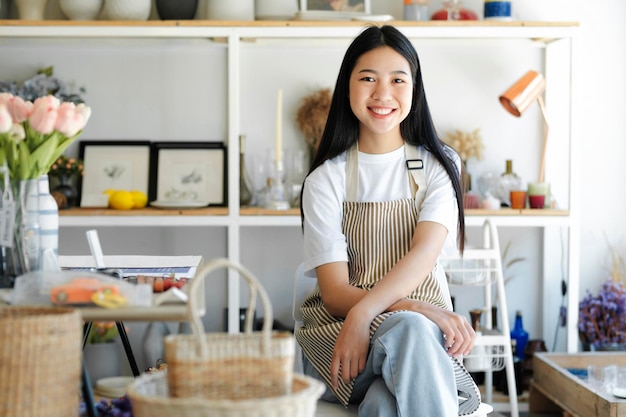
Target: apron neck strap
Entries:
(414, 164)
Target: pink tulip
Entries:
(20, 109)
(44, 114)
(6, 122)
(69, 121)
(85, 111)
(5, 98)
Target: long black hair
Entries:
(342, 126)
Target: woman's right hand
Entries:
(458, 334)
(351, 349)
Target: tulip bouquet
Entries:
(34, 134)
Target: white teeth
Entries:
(382, 111)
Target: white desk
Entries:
(165, 312)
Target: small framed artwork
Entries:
(188, 174)
(112, 165)
(344, 6)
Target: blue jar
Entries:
(497, 10)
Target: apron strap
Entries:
(414, 164)
(417, 177)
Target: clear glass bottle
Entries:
(245, 183)
(507, 182)
(416, 10)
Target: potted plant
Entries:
(64, 171)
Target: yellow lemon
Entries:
(140, 199)
(109, 192)
(121, 200)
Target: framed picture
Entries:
(188, 174)
(112, 164)
(344, 6)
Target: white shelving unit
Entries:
(554, 39)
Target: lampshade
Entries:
(523, 93)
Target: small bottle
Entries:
(416, 10)
(519, 335)
(508, 182)
(245, 183)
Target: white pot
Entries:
(127, 9)
(81, 9)
(275, 9)
(31, 9)
(230, 10)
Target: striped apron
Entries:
(378, 235)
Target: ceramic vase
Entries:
(81, 9)
(176, 9)
(230, 10)
(48, 226)
(275, 9)
(31, 9)
(127, 9)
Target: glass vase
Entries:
(245, 183)
(22, 247)
(508, 181)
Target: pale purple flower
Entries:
(602, 318)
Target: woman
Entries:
(381, 202)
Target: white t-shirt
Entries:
(382, 177)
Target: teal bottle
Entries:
(519, 335)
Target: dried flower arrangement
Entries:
(602, 318)
(467, 144)
(42, 84)
(617, 270)
(312, 114)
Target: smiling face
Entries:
(381, 92)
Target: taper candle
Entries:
(278, 152)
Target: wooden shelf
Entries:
(148, 211)
(278, 23)
(259, 211)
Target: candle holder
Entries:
(276, 197)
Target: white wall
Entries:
(599, 105)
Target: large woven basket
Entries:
(40, 361)
(150, 398)
(230, 366)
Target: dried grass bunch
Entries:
(312, 114)
(467, 144)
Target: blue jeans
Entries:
(408, 372)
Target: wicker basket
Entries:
(40, 361)
(149, 396)
(230, 366)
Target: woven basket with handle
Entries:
(230, 366)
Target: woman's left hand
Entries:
(350, 352)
